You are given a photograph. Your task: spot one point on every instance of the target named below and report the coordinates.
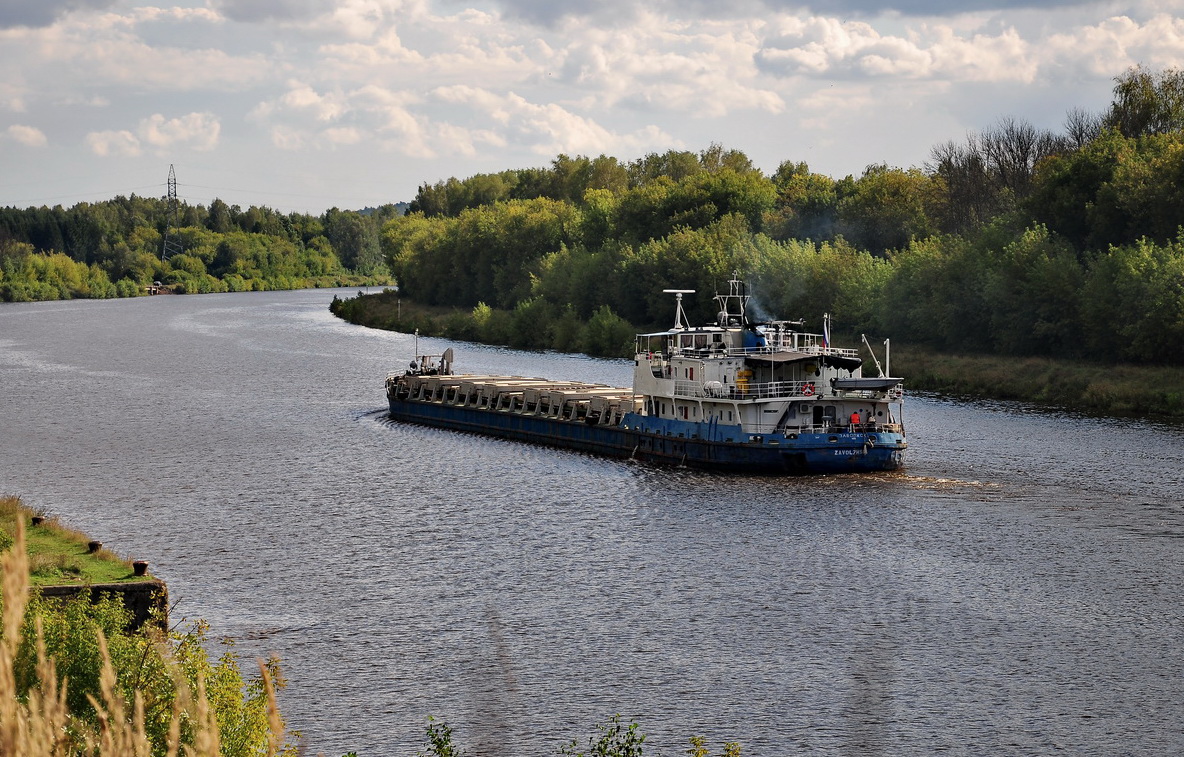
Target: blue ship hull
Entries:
(697, 445)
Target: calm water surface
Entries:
(1019, 589)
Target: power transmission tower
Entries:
(172, 245)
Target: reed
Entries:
(40, 724)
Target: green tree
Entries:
(1147, 102)
(219, 219)
(936, 295)
(1133, 303)
(1065, 188)
(1033, 290)
(887, 208)
(608, 335)
(806, 205)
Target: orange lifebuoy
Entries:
(808, 389)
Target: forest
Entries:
(1015, 241)
(117, 248)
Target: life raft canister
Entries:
(742, 378)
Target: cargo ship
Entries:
(735, 395)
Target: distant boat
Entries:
(735, 395)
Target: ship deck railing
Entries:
(825, 428)
(751, 391)
(806, 347)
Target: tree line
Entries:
(116, 248)
(1016, 241)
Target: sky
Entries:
(305, 105)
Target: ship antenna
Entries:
(680, 318)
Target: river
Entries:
(1017, 589)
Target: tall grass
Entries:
(40, 723)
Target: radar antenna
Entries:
(680, 318)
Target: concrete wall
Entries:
(145, 599)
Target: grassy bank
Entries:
(1090, 387)
(58, 554)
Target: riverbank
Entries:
(59, 555)
(65, 563)
(41, 291)
(1141, 390)
(1152, 391)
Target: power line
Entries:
(106, 195)
(277, 194)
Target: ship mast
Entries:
(733, 306)
(680, 318)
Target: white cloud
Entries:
(466, 120)
(358, 19)
(698, 70)
(468, 142)
(113, 144)
(1113, 45)
(29, 136)
(829, 48)
(304, 118)
(302, 97)
(502, 82)
(195, 131)
(347, 135)
(546, 128)
(84, 54)
(286, 138)
(12, 97)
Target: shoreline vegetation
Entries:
(1078, 386)
(133, 246)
